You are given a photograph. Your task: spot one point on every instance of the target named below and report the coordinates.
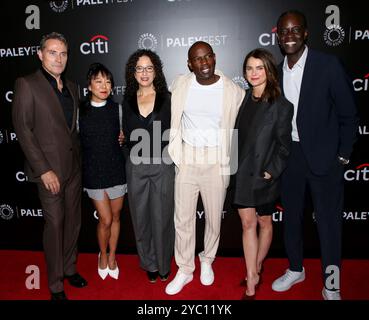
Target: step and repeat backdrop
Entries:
(108, 31)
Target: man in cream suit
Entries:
(205, 104)
(44, 117)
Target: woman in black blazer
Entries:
(264, 138)
(150, 172)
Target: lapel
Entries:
(52, 100)
(248, 93)
(75, 104)
(280, 73)
(159, 100)
(307, 81)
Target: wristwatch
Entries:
(343, 161)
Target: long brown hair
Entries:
(272, 89)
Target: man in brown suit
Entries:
(44, 116)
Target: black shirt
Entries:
(133, 120)
(64, 97)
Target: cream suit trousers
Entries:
(199, 172)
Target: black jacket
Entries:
(267, 149)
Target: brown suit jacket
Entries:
(41, 128)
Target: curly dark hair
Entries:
(160, 84)
(272, 89)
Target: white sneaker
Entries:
(286, 281)
(207, 274)
(177, 284)
(331, 295)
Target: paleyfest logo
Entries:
(241, 82)
(334, 33)
(6, 212)
(59, 6)
(147, 41)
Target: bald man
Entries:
(205, 104)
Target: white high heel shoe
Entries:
(103, 273)
(115, 272)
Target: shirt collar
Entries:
(51, 79)
(299, 64)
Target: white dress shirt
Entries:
(292, 79)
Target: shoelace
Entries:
(287, 275)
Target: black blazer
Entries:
(161, 112)
(268, 151)
(327, 119)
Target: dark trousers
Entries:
(62, 214)
(327, 197)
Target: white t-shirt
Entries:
(202, 114)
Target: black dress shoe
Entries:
(152, 276)
(76, 280)
(164, 277)
(58, 296)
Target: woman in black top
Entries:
(103, 163)
(264, 138)
(150, 172)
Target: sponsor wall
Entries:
(108, 31)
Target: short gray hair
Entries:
(53, 35)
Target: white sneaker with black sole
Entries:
(331, 295)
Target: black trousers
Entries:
(327, 197)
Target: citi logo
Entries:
(360, 174)
(9, 96)
(21, 176)
(361, 35)
(277, 215)
(97, 45)
(268, 39)
(361, 84)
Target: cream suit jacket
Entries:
(232, 99)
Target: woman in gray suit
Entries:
(150, 173)
(264, 138)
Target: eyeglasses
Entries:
(140, 69)
(293, 30)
